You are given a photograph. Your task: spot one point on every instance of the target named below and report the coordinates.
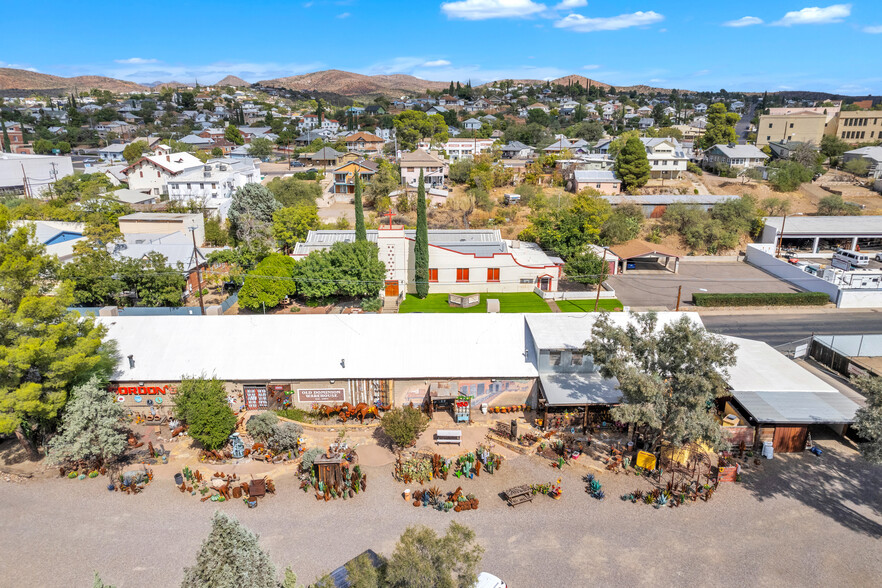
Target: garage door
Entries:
(790, 439)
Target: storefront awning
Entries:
(578, 389)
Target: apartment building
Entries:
(804, 126)
(860, 126)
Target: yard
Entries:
(508, 302)
(612, 305)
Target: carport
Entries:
(824, 232)
(638, 250)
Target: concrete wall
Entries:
(860, 299)
(586, 295)
(501, 392)
(757, 257)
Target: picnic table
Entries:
(518, 495)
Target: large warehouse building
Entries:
(495, 359)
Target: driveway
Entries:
(657, 289)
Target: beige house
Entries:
(434, 169)
(604, 181)
(860, 126)
(804, 126)
(148, 226)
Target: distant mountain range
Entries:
(331, 81)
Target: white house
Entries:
(472, 124)
(434, 169)
(212, 185)
(331, 124)
(667, 157)
(151, 174)
(741, 156)
(460, 261)
(112, 153)
(309, 122)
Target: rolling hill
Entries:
(21, 79)
(352, 84)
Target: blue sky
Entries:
(772, 45)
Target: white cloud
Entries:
(590, 67)
(344, 15)
(744, 21)
(18, 66)
(583, 24)
(484, 9)
(436, 63)
(136, 61)
(874, 30)
(816, 15)
(569, 4)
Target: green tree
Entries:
(787, 175)
(834, 205)
(669, 376)
(632, 165)
(720, 129)
(233, 135)
(361, 573)
(134, 151)
(360, 231)
(421, 243)
(868, 419)
(43, 146)
(857, 166)
(217, 152)
(93, 276)
(268, 283)
(215, 233)
(403, 425)
(251, 210)
(230, 557)
(290, 579)
(384, 181)
(202, 404)
(7, 146)
(422, 558)
(260, 148)
(833, 146)
(586, 268)
(292, 224)
(623, 224)
(293, 192)
(92, 427)
(64, 147)
(566, 230)
(411, 126)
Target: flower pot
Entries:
(179, 479)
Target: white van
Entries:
(855, 258)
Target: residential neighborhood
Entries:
(425, 322)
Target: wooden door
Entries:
(790, 439)
(391, 287)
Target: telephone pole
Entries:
(600, 281)
(198, 272)
(679, 291)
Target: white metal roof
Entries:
(839, 226)
(579, 388)
(571, 330)
(316, 347)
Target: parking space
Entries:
(658, 290)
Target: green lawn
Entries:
(508, 302)
(588, 305)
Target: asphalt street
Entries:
(783, 327)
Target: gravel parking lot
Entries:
(657, 289)
(798, 520)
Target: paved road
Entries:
(742, 127)
(780, 328)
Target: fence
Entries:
(838, 353)
(606, 293)
(796, 349)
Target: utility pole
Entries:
(679, 291)
(198, 272)
(24, 177)
(600, 281)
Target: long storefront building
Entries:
(536, 360)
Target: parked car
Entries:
(486, 580)
(878, 256)
(295, 164)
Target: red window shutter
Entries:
(492, 274)
(433, 274)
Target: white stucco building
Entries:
(212, 184)
(460, 261)
(151, 174)
(666, 157)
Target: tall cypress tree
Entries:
(360, 232)
(421, 244)
(6, 146)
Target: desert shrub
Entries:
(834, 205)
(284, 436)
(373, 304)
(260, 426)
(404, 425)
(691, 167)
(309, 458)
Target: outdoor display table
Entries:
(448, 436)
(519, 495)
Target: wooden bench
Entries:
(448, 436)
(519, 495)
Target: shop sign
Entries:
(320, 395)
(143, 390)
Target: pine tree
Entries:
(360, 232)
(632, 165)
(421, 243)
(230, 557)
(451, 90)
(92, 426)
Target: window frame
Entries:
(462, 275)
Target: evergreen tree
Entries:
(421, 243)
(632, 165)
(6, 146)
(451, 90)
(230, 558)
(92, 427)
(868, 419)
(360, 232)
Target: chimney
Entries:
(167, 157)
(131, 362)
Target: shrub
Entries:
(260, 426)
(786, 176)
(692, 168)
(373, 304)
(834, 205)
(284, 436)
(404, 425)
(761, 299)
(202, 404)
(309, 458)
(295, 414)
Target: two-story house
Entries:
(151, 174)
(667, 157)
(434, 169)
(212, 185)
(344, 176)
(365, 143)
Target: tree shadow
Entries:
(826, 483)
(12, 453)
